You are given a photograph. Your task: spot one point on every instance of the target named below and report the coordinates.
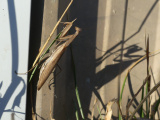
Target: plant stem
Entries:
(149, 93)
(76, 87)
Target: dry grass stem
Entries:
(130, 102)
(52, 33)
(149, 93)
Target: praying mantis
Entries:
(51, 62)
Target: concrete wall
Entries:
(111, 40)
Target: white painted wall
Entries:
(14, 46)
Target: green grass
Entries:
(141, 109)
(120, 99)
(76, 111)
(76, 87)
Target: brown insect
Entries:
(51, 62)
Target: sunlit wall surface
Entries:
(14, 44)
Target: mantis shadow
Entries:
(90, 81)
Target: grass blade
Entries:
(99, 112)
(148, 81)
(141, 109)
(76, 111)
(120, 99)
(76, 87)
(130, 102)
(149, 93)
(156, 106)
